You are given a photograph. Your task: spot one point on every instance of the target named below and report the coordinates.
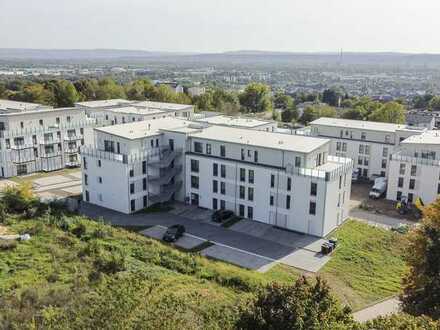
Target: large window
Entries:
(215, 169)
(402, 169)
(272, 181)
(297, 161)
(208, 149)
(400, 182)
(288, 202)
(109, 146)
(214, 204)
(250, 212)
(412, 184)
(144, 167)
(251, 176)
(222, 151)
(413, 170)
(223, 188)
(194, 182)
(256, 156)
(215, 186)
(131, 188)
(223, 171)
(242, 175)
(271, 200)
(313, 189)
(241, 210)
(289, 184)
(198, 147)
(312, 208)
(250, 193)
(194, 165)
(242, 192)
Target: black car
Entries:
(173, 233)
(221, 215)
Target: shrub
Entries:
(19, 198)
(80, 230)
(110, 263)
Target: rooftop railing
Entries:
(401, 157)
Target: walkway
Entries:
(387, 307)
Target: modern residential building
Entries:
(368, 144)
(235, 121)
(112, 112)
(37, 138)
(414, 169)
(421, 118)
(285, 180)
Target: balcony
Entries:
(166, 192)
(21, 146)
(74, 137)
(166, 157)
(50, 141)
(166, 177)
(71, 150)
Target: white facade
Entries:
(42, 139)
(284, 180)
(415, 169)
(368, 144)
(234, 121)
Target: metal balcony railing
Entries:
(166, 177)
(73, 137)
(50, 141)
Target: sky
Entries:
(223, 25)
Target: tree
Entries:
(283, 101)
(109, 89)
(64, 92)
(400, 321)
(204, 102)
(331, 97)
(421, 293)
(316, 111)
(356, 113)
(256, 98)
(87, 89)
(35, 93)
(422, 101)
(298, 306)
(434, 103)
(390, 112)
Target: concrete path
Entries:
(376, 219)
(387, 307)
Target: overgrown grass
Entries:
(367, 265)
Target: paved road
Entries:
(260, 246)
(387, 307)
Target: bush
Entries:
(110, 263)
(80, 230)
(19, 199)
(7, 245)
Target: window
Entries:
(8, 144)
(297, 161)
(344, 147)
(363, 135)
(367, 149)
(222, 204)
(241, 210)
(131, 188)
(271, 200)
(410, 197)
(87, 196)
(413, 170)
(68, 119)
(402, 169)
(385, 152)
(131, 173)
(208, 149)
(400, 182)
(223, 188)
(272, 181)
(242, 154)
(86, 179)
(251, 176)
(99, 163)
(250, 212)
(384, 163)
(313, 188)
(289, 184)
(361, 148)
(242, 175)
(338, 146)
(21, 125)
(438, 188)
(215, 186)
(85, 163)
(194, 165)
(144, 167)
(133, 205)
(412, 184)
(256, 156)
(109, 146)
(250, 193)
(223, 171)
(399, 195)
(41, 122)
(194, 182)
(198, 147)
(288, 202)
(157, 143)
(152, 143)
(242, 192)
(99, 179)
(222, 151)
(145, 200)
(144, 184)
(340, 181)
(215, 169)
(214, 204)
(312, 208)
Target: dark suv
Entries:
(173, 233)
(221, 215)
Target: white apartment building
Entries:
(235, 121)
(415, 169)
(117, 111)
(37, 138)
(283, 180)
(368, 144)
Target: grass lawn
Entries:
(367, 265)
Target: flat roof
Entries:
(428, 137)
(20, 106)
(145, 128)
(38, 111)
(162, 105)
(233, 121)
(104, 103)
(296, 143)
(135, 111)
(359, 124)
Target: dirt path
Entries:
(387, 307)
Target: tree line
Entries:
(255, 98)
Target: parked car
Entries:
(355, 175)
(173, 233)
(221, 215)
(379, 188)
